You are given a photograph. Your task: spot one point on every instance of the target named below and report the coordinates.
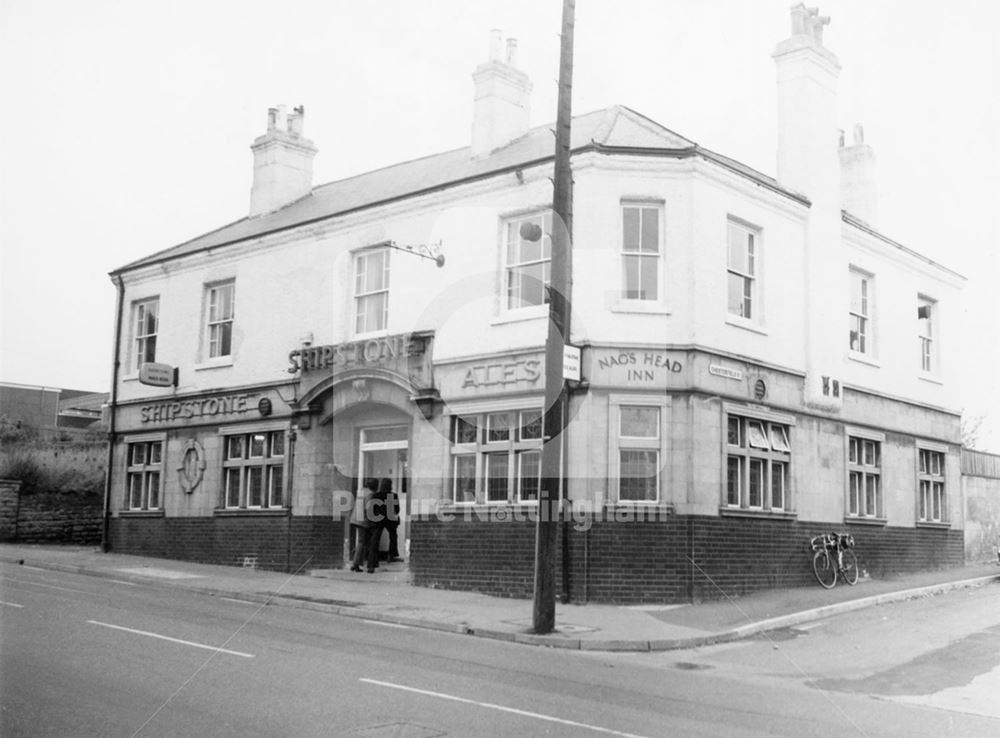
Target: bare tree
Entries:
(970, 428)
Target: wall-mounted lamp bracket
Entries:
(424, 251)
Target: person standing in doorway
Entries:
(391, 522)
(363, 524)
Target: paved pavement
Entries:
(388, 597)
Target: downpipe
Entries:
(112, 409)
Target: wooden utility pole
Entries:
(560, 285)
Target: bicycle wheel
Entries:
(825, 569)
(850, 568)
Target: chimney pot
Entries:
(511, 51)
(496, 41)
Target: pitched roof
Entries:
(613, 130)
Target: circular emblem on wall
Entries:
(192, 467)
(759, 389)
(264, 406)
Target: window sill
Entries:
(273, 512)
(934, 524)
(140, 513)
(747, 325)
(219, 363)
(745, 512)
(130, 377)
(382, 333)
(874, 522)
(642, 307)
(863, 359)
(930, 379)
(519, 315)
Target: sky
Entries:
(128, 125)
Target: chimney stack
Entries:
(807, 108)
(808, 163)
(858, 191)
(502, 99)
(282, 162)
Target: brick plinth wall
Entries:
(266, 542)
(677, 559)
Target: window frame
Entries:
(754, 430)
(363, 294)
(223, 323)
(268, 462)
(144, 472)
(619, 444)
(869, 474)
(749, 273)
(935, 484)
(483, 448)
(141, 336)
(640, 254)
(511, 224)
(927, 335)
(861, 314)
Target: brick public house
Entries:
(759, 363)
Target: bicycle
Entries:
(834, 556)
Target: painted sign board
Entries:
(157, 375)
(571, 363)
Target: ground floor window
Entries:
(496, 456)
(636, 448)
(758, 463)
(931, 487)
(864, 474)
(144, 474)
(253, 470)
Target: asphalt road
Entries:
(85, 656)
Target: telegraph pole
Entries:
(560, 284)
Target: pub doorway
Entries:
(384, 453)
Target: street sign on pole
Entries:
(571, 363)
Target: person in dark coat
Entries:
(391, 522)
(365, 523)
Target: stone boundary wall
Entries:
(49, 517)
(981, 490)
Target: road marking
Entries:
(172, 640)
(387, 625)
(122, 581)
(513, 710)
(10, 604)
(50, 586)
(241, 602)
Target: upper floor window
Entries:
(527, 260)
(742, 259)
(860, 340)
(640, 252)
(147, 324)
(144, 475)
(221, 312)
(758, 458)
(930, 478)
(925, 334)
(864, 471)
(371, 291)
(496, 456)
